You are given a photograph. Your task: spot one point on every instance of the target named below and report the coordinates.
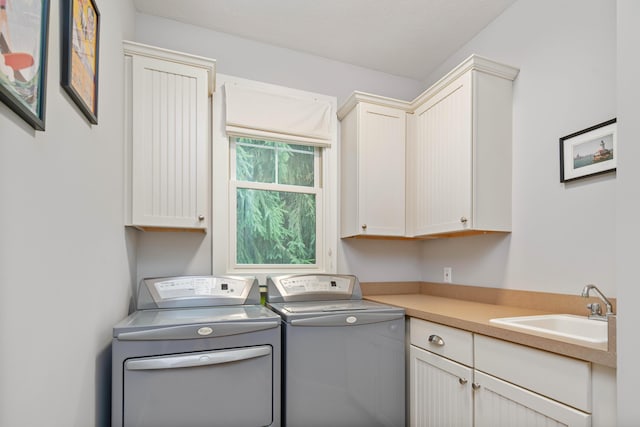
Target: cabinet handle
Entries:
(201, 217)
(434, 339)
(463, 220)
(475, 386)
(462, 381)
(364, 226)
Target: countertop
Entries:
(474, 317)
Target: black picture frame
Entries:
(23, 70)
(81, 54)
(591, 151)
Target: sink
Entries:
(577, 328)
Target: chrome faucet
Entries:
(595, 309)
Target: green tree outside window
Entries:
(275, 226)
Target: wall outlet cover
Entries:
(447, 274)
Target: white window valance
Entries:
(256, 113)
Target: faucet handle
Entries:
(595, 308)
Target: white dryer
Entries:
(199, 351)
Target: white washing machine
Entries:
(343, 358)
(199, 351)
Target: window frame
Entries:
(220, 235)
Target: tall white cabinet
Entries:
(372, 164)
(168, 128)
(460, 153)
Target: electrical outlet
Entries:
(447, 275)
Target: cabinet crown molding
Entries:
(473, 62)
(134, 48)
(370, 98)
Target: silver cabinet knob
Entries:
(463, 220)
(475, 386)
(201, 217)
(462, 381)
(434, 339)
(364, 226)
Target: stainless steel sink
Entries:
(576, 328)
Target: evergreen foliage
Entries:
(275, 227)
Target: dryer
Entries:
(199, 351)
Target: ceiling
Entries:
(403, 37)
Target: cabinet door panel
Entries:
(170, 126)
(443, 169)
(501, 404)
(440, 391)
(559, 377)
(381, 170)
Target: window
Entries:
(274, 179)
(278, 200)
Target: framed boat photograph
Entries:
(24, 32)
(591, 151)
(80, 54)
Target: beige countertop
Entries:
(474, 317)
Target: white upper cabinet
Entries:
(438, 166)
(167, 122)
(373, 135)
(459, 153)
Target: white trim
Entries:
(357, 97)
(473, 62)
(316, 191)
(139, 49)
(271, 186)
(282, 137)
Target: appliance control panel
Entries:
(196, 286)
(197, 291)
(305, 284)
(314, 287)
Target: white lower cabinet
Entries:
(440, 391)
(440, 375)
(498, 403)
(457, 378)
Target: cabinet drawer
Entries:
(561, 378)
(446, 341)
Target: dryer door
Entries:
(224, 388)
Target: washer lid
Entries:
(317, 308)
(329, 306)
(164, 318)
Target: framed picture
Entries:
(24, 32)
(588, 152)
(80, 43)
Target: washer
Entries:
(343, 358)
(199, 351)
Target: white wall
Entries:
(191, 253)
(563, 234)
(66, 261)
(627, 206)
